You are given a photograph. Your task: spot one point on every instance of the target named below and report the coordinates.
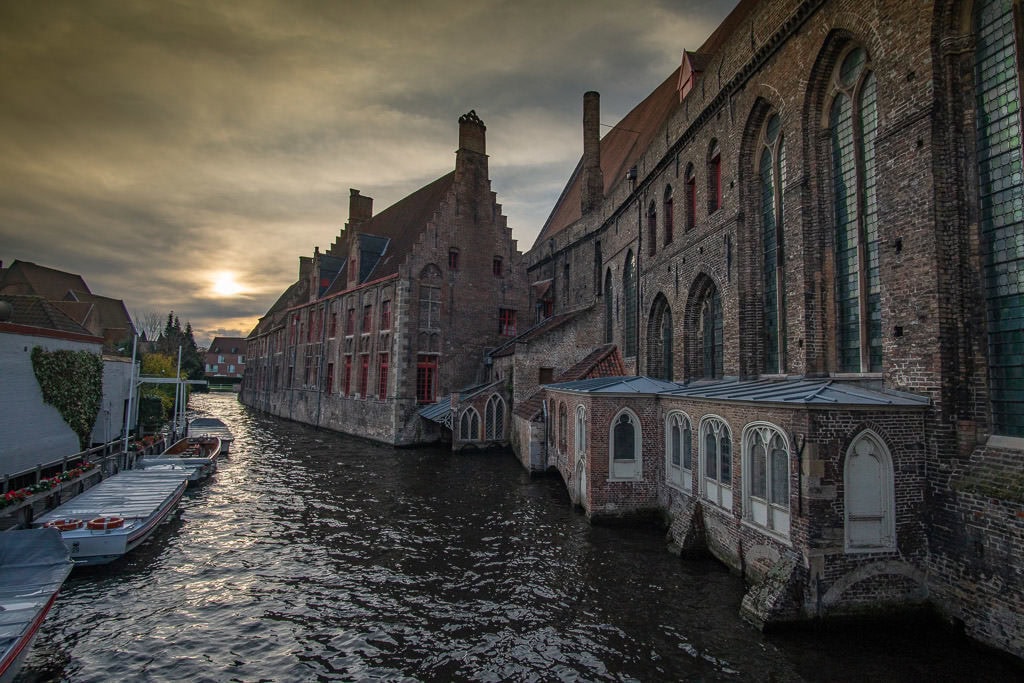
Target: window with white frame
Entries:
(678, 451)
(869, 499)
(469, 425)
(581, 432)
(494, 418)
(624, 438)
(766, 477)
(716, 458)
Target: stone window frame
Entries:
(714, 164)
(563, 428)
(777, 517)
(660, 339)
(668, 209)
(679, 476)
(633, 465)
(494, 418)
(580, 434)
(652, 228)
(469, 425)
(629, 292)
(609, 307)
(885, 488)
(691, 197)
(718, 427)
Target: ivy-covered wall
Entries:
(72, 382)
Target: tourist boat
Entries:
(195, 454)
(108, 520)
(213, 427)
(33, 565)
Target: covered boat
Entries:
(108, 520)
(33, 565)
(197, 455)
(213, 427)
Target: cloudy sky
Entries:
(181, 155)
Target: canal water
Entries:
(315, 556)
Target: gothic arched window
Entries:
(766, 477)
(629, 302)
(678, 451)
(716, 457)
(494, 418)
(772, 172)
(659, 340)
(853, 122)
(609, 308)
(669, 218)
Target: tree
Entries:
(148, 324)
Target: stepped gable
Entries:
(401, 224)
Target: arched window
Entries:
(581, 432)
(563, 428)
(659, 340)
(629, 302)
(609, 308)
(1000, 188)
(772, 172)
(853, 121)
(494, 418)
(669, 217)
(711, 334)
(716, 457)
(766, 477)
(691, 197)
(679, 451)
(714, 177)
(469, 425)
(869, 495)
(652, 229)
(624, 438)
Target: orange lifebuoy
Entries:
(64, 524)
(104, 523)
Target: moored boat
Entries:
(213, 427)
(110, 519)
(33, 565)
(195, 454)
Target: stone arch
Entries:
(660, 339)
(625, 436)
(835, 593)
(869, 494)
(469, 425)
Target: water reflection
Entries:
(314, 556)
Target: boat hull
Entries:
(142, 499)
(33, 566)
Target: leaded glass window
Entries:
(772, 168)
(1001, 202)
(766, 469)
(853, 121)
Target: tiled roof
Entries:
(35, 311)
(25, 277)
(402, 223)
(531, 407)
(604, 361)
(273, 317)
(225, 344)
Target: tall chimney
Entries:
(360, 208)
(592, 191)
(472, 133)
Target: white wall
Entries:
(31, 432)
(116, 385)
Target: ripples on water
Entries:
(315, 556)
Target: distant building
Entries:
(225, 361)
(399, 314)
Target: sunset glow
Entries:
(226, 285)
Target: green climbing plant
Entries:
(72, 382)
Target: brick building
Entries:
(398, 314)
(225, 361)
(806, 243)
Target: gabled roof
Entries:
(225, 344)
(604, 361)
(616, 385)
(620, 149)
(35, 311)
(275, 315)
(25, 277)
(401, 224)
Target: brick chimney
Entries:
(592, 190)
(472, 133)
(360, 208)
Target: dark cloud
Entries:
(148, 146)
